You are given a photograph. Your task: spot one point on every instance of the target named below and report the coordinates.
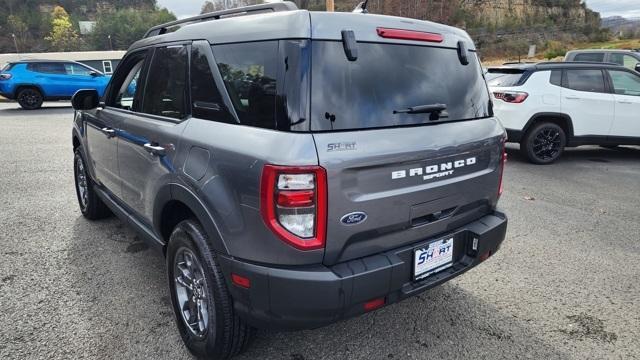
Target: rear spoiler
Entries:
(217, 15)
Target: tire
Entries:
(218, 333)
(90, 204)
(30, 98)
(544, 143)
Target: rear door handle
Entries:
(154, 149)
(572, 98)
(109, 132)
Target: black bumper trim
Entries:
(313, 296)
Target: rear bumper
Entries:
(514, 136)
(314, 296)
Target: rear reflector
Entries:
(409, 35)
(503, 162)
(241, 281)
(374, 304)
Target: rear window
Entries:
(590, 57)
(504, 77)
(364, 93)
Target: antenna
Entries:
(362, 8)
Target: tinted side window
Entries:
(166, 89)
(206, 100)
(504, 77)
(249, 71)
(627, 61)
(556, 77)
(585, 80)
(75, 69)
(48, 68)
(625, 83)
(591, 57)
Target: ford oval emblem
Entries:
(354, 218)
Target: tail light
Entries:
(409, 35)
(293, 203)
(514, 97)
(5, 76)
(503, 161)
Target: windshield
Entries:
(364, 93)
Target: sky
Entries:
(626, 8)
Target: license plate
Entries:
(435, 257)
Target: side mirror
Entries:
(637, 68)
(86, 99)
(94, 74)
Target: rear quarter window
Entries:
(249, 71)
(505, 77)
(589, 57)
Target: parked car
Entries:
(31, 82)
(286, 203)
(627, 58)
(550, 106)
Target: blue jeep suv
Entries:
(31, 82)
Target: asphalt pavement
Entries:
(563, 286)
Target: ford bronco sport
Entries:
(296, 168)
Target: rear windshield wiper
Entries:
(423, 109)
(437, 111)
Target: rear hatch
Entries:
(396, 177)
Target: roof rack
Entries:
(217, 15)
(577, 62)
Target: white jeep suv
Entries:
(549, 106)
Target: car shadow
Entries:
(15, 109)
(594, 154)
(123, 291)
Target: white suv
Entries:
(548, 106)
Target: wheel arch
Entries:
(19, 87)
(175, 203)
(560, 119)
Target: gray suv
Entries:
(295, 168)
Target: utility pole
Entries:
(15, 42)
(330, 5)
(110, 43)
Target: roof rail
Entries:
(577, 63)
(216, 15)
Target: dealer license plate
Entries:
(435, 257)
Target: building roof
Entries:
(73, 56)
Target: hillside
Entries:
(31, 22)
(499, 27)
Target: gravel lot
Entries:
(564, 285)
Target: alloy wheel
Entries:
(191, 292)
(81, 183)
(29, 97)
(547, 144)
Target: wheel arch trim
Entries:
(564, 117)
(177, 192)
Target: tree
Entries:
(209, 6)
(19, 29)
(137, 23)
(63, 37)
